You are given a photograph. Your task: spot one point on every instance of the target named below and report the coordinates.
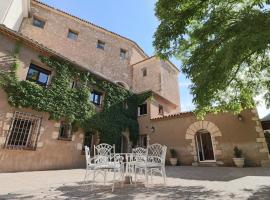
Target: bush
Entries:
(237, 152)
(173, 153)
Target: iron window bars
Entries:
(24, 131)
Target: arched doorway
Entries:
(204, 135)
(204, 146)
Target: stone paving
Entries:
(182, 183)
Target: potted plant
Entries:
(173, 159)
(238, 160)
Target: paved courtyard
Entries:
(182, 183)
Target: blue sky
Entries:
(133, 19)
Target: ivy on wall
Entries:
(62, 102)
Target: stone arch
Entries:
(122, 84)
(214, 131)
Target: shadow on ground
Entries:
(214, 173)
(263, 193)
(131, 192)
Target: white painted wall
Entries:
(12, 12)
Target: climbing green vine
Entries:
(72, 104)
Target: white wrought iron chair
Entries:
(154, 162)
(89, 163)
(106, 160)
(139, 154)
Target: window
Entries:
(123, 54)
(24, 131)
(96, 97)
(72, 35)
(100, 45)
(65, 131)
(88, 141)
(160, 110)
(142, 109)
(38, 23)
(142, 141)
(144, 71)
(38, 75)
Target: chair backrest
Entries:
(87, 155)
(103, 153)
(158, 151)
(139, 154)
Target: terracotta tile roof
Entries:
(177, 115)
(41, 48)
(92, 24)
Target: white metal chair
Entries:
(154, 162)
(106, 160)
(89, 163)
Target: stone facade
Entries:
(136, 72)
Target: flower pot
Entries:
(239, 162)
(173, 161)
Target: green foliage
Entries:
(173, 153)
(62, 102)
(224, 47)
(237, 152)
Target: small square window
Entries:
(100, 45)
(72, 35)
(38, 22)
(38, 75)
(65, 131)
(144, 72)
(123, 54)
(142, 109)
(160, 110)
(96, 97)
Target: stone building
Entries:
(43, 30)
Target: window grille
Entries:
(24, 131)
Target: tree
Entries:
(224, 47)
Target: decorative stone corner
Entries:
(203, 125)
(260, 137)
(42, 129)
(55, 135)
(9, 115)
(6, 127)
(73, 138)
(79, 146)
(57, 125)
(2, 140)
(39, 144)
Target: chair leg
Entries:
(135, 170)
(164, 175)
(85, 176)
(146, 177)
(105, 176)
(151, 176)
(94, 179)
(113, 180)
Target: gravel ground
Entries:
(182, 183)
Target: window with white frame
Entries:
(96, 97)
(24, 131)
(142, 109)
